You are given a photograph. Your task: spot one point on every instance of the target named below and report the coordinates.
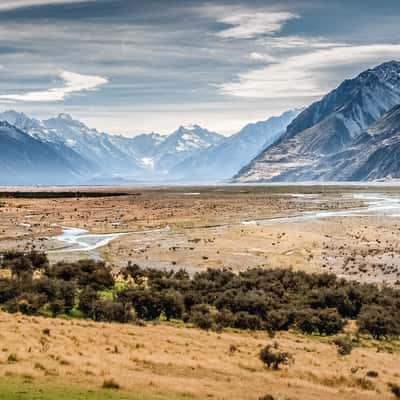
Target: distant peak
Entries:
(190, 127)
(65, 116)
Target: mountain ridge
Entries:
(327, 127)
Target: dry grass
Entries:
(179, 361)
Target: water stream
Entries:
(77, 239)
(375, 204)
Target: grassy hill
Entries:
(46, 359)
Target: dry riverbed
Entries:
(314, 228)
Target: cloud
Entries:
(72, 83)
(307, 74)
(6, 5)
(264, 57)
(299, 42)
(248, 23)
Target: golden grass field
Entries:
(175, 362)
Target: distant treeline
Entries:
(257, 299)
(59, 195)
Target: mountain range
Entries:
(351, 134)
(63, 150)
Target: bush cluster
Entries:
(271, 300)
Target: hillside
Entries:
(180, 363)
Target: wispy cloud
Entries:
(300, 43)
(248, 23)
(261, 57)
(72, 83)
(14, 4)
(306, 75)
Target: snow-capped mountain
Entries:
(114, 155)
(184, 142)
(327, 127)
(105, 153)
(225, 159)
(105, 156)
(25, 160)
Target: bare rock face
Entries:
(318, 143)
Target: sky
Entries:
(131, 67)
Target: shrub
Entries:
(365, 384)
(372, 374)
(344, 345)
(324, 321)
(395, 389)
(273, 358)
(28, 303)
(57, 307)
(202, 316)
(377, 321)
(224, 319)
(172, 304)
(244, 320)
(88, 297)
(9, 289)
(12, 358)
(278, 320)
(110, 310)
(147, 303)
(84, 273)
(266, 397)
(110, 384)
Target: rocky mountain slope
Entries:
(328, 128)
(375, 155)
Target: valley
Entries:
(349, 230)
